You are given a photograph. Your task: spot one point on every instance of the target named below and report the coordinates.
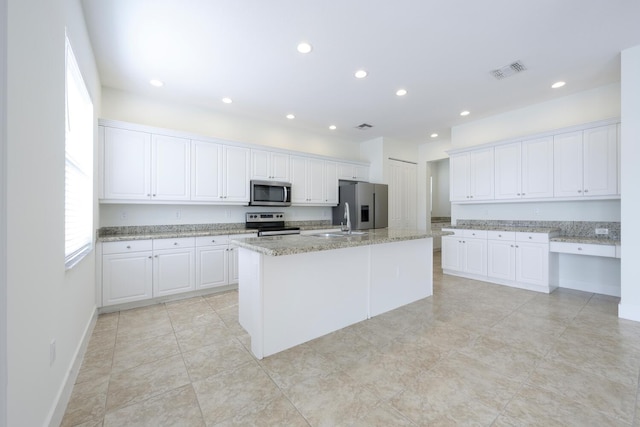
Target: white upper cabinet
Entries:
(141, 166)
(585, 163)
(313, 181)
(472, 175)
(353, 172)
(331, 183)
(524, 170)
(127, 164)
(170, 168)
(220, 173)
(266, 165)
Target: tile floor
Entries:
(473, 354)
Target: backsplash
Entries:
(567, 228)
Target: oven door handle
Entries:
(285, 194)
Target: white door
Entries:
(481, 174)
(234, 274)
(260, 165)
(298, 180)
(206, 171)
(600, 161)
(501, 259)
(532, 263)
(280, 167)
(315, 181)
(459, 177)
(126, 277)
(567, 164)
(170, 168)
(361, 173)
(475, 256)
(331, 183)
(212, 267)
(508, 171)
(173, 271)
(537, 168)
(235, 174)
(451, 253)
(127, 164)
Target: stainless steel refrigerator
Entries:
(368, 205)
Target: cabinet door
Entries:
(475, 256)
(173, 271)
(567, 164)
(206, 171)
(212, 266)
(346, 171)
(280, 167)
(600, 161)
(508, 171)
(537, 168)
(298, 180)
(501, 259)
(481, 174)
(234, 275)
(127, 164)
(532, 263)
(315, 181)
(361, 173)
(170, 168)
(330, 183)
(260, 165)
(451, 254)
(235, 174)
(126, 277)
(459, 177)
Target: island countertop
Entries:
(298, 244)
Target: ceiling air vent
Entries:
(364, 126)
(508, 70)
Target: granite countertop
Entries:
(505, 228)
(586, 240)
(297, 244)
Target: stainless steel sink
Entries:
(339, 234)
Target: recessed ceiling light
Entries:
(333, 127)
(401, 92)
(227, 100)
(360, 74)
(464, 113)
(304, 47)
(156, 82)
(290, 116)
(556, 85)
(434, 135)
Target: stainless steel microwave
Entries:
(270, 193)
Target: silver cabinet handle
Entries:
(579, 249)
(128, 247)
(150, 257)
(175, 243)
(586, 191)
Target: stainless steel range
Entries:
(269, 223)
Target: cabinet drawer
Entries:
(456, 232)
(222, 239)
(478, 234)
(126, 246)
(583, 249)
(532, 237)
(501, 235)
(181, 242)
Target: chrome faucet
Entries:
(347, 218)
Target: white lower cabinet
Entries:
(466, 252)
(518, 259)
(137, 270)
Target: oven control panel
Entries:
(264, 216)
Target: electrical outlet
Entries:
(123, 215)
(602, 231)
(52, 352)
(178, 214)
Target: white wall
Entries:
(440, 192)
(44, 301)
(124, 106)
(115, 215)
(630, 142)
(3, 217)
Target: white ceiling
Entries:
(441, 52)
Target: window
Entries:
(78, 179)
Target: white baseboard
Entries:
(595, 288)
(64, 394)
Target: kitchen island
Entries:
(295, 288)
